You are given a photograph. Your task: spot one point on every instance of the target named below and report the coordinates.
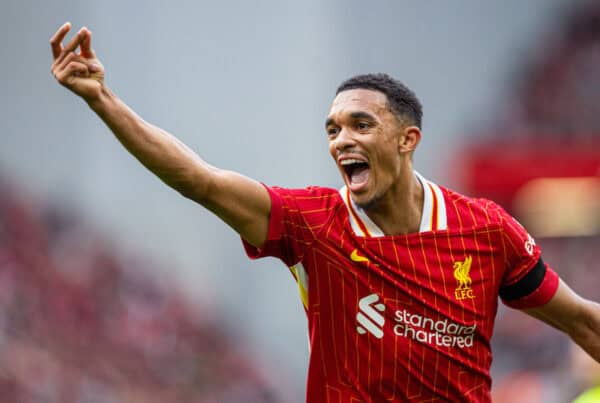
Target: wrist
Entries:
(100, 98)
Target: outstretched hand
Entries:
(81, 72)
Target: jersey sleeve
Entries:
(297, 216)
(528, 281)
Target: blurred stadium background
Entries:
(113, 288)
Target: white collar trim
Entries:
(434, 211)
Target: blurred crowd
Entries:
(555, 103)
(82, 322)
(557, 92)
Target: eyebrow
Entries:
(362, 115)
(354, 115)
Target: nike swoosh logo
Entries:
(355, 257)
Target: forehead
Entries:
(355, 100)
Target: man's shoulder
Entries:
(308, 195)
(311, 207)
(476, 210)
(306, 192)
(311, 198)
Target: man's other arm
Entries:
(241, 202)
(574, 315)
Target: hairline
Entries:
(400, 118)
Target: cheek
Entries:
(387, 164)
(332, 151)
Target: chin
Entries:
(369, 198)
(364, 201)
(366, 205)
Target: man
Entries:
(399, 277)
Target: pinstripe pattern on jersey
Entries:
(409, 273)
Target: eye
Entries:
(332, 131)
(362, 125)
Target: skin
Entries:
(573, 315)
(359, 125)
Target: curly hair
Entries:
(402, 101)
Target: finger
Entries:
(57, 38)
(72, 45)
(86, 45)
(75, 41)
(73, 69)
(78, 69)
(68, 58)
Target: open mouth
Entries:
(357, 173)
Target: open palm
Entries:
(80, 72)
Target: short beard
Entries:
(370, 204)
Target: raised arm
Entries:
(241, 202)
(574, 315)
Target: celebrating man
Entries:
(399, 277)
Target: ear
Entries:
(409, 139)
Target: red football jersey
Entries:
(404, 318)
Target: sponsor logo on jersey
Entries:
(439, 332)
(413, 326)
(529, 244)
(355, 257)
(370, 316)
(462, 275)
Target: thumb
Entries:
(94, 67)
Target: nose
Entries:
(344, 140)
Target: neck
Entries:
(399, 211)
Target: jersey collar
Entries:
(434, 207)
(433, 217)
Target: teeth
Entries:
(351, 161)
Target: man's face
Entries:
(364, 140)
